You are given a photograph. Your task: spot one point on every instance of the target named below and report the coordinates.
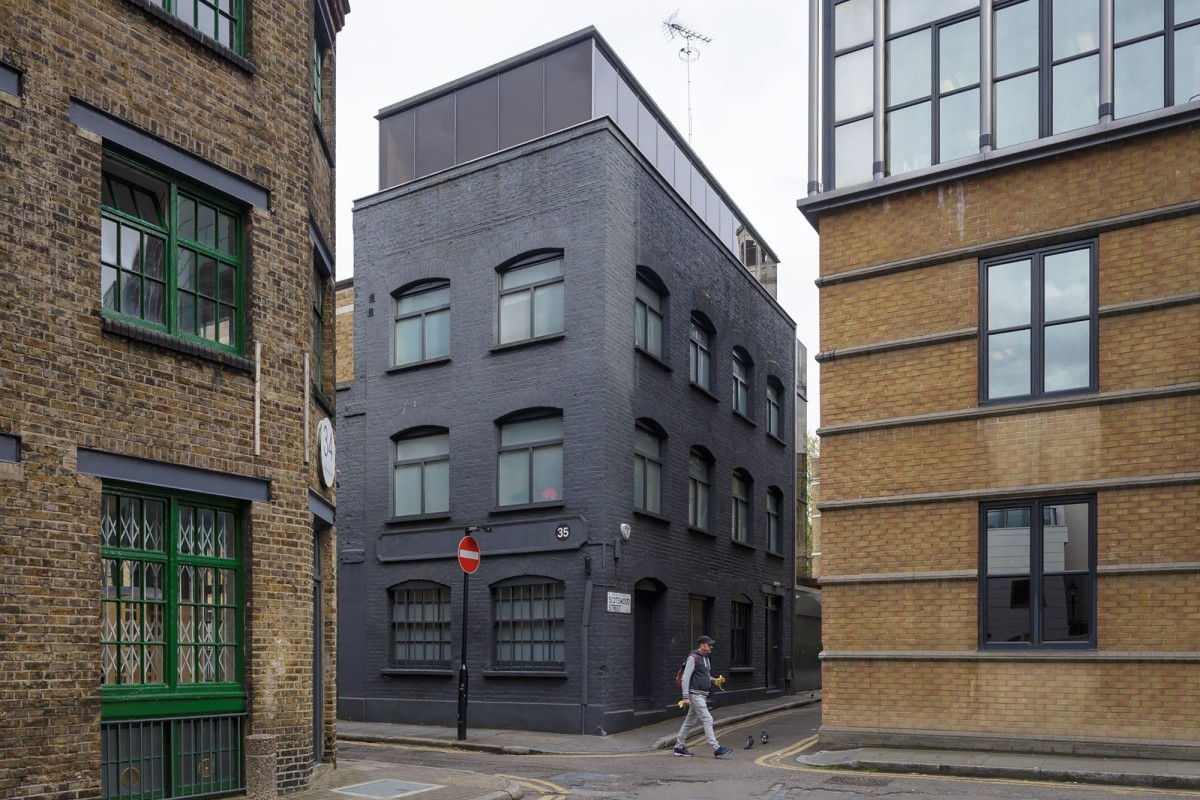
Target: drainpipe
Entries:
(584, 634)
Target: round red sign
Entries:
(468, 554)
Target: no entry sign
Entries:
(468, 554)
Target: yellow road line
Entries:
(552, 791)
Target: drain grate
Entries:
(386, 789)
(860, 780)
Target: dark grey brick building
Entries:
(554, 337)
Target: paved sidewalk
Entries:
(376, 780)
(1142, 772)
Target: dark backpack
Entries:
(679, 675)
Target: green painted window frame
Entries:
(124, 560)
(158, 212)
(223, 21)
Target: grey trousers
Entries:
(698, 709)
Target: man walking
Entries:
(697, 680)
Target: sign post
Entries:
(468, 559)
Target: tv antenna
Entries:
(688, 53)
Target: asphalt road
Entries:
(765, 771)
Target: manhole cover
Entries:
(387, 789)
(860, 780)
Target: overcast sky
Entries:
(748, 97)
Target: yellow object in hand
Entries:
(682, 703)
(720, 682)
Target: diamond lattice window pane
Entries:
(154, 521)
(207, 664)
(130, 513)
(187, 529)
(108, 522)
(108, 664)
(205, 531)
(186, 673)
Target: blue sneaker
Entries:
(721, 751)
(683, 752)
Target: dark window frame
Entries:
(435, 633)
(700, 336)
(236, 14)
(531, 449)
(546, 631)
(741, 523)
(742, 381)
(774, 518)
(649, 305)
(424, 462)
(1037, 324)
(423, 313)
(531, 289)
(644, 463)
(774, 407)
(699, 489)
(1032, 595)
(319, 297)
(741, 632)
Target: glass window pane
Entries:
(407, 490)
(852, 84)
(530, 431)
(397, 149)
(1066, 608)
(423, 447)
(904, 14)
(1187, 63)
(627, 109)
(1016, 35)
(909, 133)
(568, 86)
(521, 110)
(1138, 78)
(699, 193)
(853, 23)
(639, 482)
(653, 487)
(665, 160)
(909, 65)
(852, 153)
(1008, 545)
(647, 137)
(654, 334)
(1067, 285)
(1134, 18)
(435, 135)
(477, 121)
(420, 300)
(548, 309)
(1076, 25)
(514, 317)
(1186, 10)
(524, 276)
(958, 124)
(958, 60)
(1068, 356)
(712, 208)
(1008, 610)
(1008, 364)
(437, 487)
(1065, 536)
(1008, 299)
(547, 473)
(645, 443)
(1017, 110)
(604, 76)
(1076, 94)
(514, 479)
(683, 174)
(408, 341)
(206, 226)
(437, 334)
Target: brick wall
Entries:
(902, 654)
(67, 383)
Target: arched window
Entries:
(420, 625)
(774, 407)
(742, 366)
(649, 307)
(740, 506)
(529, 624)
(422, 329)
(741, 622)
(698, 351)
(531, 298)
(421, 472)
(774, 509)
(699, 480)
(647, 466)
(530, 459)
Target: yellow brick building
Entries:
(1009, 209)
(167, 491)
